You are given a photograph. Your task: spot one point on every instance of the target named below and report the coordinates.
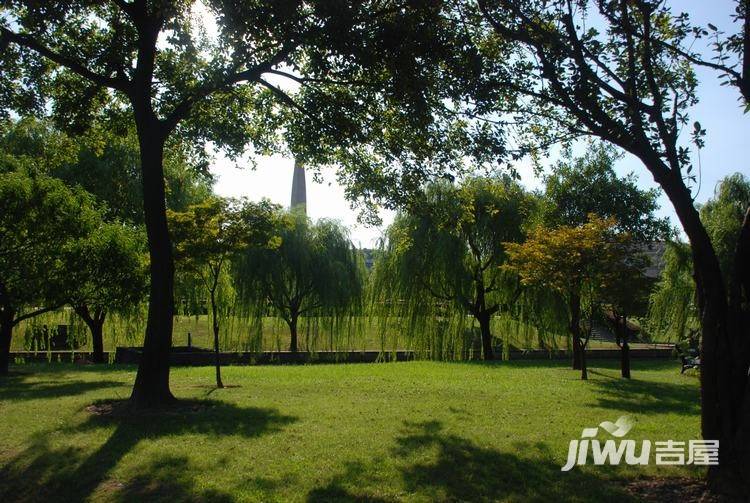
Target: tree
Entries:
(731, 57)
(152, 58)
(105, 272)
(315, 271)
(579, 186)
(448, 249)
(350, 60)
(574, 261)
(208, 235)
(624, 289)
(39, 219)
(562, 78)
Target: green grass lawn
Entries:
(418, 431)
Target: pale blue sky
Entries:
(727, 150)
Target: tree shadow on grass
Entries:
(437, 466)
(465, 471)
(42, 472)
(646, 397)
(166, 479)
(340, 487)
(18, 387)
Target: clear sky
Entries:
(727, 150)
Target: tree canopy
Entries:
(577, 187)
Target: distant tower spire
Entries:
(299, 191)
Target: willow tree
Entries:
(314, 272)
(208, 235)
(444, 254)
(105, 273)
(352, 62)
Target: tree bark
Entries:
(95, 324)
(293, 332)
(625, 358)
(724, 378)
(151, 388)
(621, 322)
(97, 341)
(575, 329)
(584, 367)
(484, 320)
(6, 332)
(215, 324)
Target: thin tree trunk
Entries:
(584, 367)
(151, 388)
(575, 329)
(96, 325)
(624, 347)
(215, 324)
(625, 359)
(576, 352)
(97, 341)
(293, 332)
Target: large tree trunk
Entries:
(215, 324)
(97, 340)
(724, 365)
(484, 320)
(6, 331)
(151, 387)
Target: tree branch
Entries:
(72, 65)
(35, 313)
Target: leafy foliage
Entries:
(39, 218)
(104, 161)
(589, 184)
(673, 310)
(106, 270)
(673, 313)
(723, 215)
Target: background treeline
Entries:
(470, 268)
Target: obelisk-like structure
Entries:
(299, 190)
